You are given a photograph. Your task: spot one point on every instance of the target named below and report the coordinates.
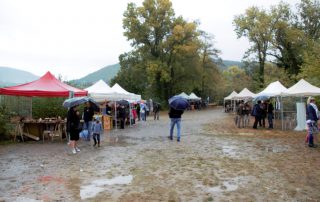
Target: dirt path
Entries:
(213, 162)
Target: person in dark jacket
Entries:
(256, 112)
(88, 113)
(175, 117)
(156, 110)
(270, 113)
(73, 127)
(312, 120)
(122, 116)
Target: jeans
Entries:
(240, 121)
(175, 121)
(270, 117)
(257, 119)
(88, 126)
(96, 138)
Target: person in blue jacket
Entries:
(312, 120)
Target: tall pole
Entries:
(281, 106)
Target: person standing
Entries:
(73, 127)
(138, 111)
(270, 113)
(263, 107)
(88, 113)
(122, 116)
(240, 114)
(247, 110)
(175, 117)
(96, 131)
(312, 120)
(256, 112)
(156, 111)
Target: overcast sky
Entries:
(76, 37)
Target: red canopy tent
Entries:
(46, 86)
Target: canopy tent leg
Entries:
(115, 114)
(31, 99)
(281, 106)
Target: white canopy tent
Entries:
(193, 96)
(274, 89)
(125, 94)
(245, 94)
(230, 97)
(101, 91)
(302, 89)
(184, 95)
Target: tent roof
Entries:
(232, 95)
(274, 89)
(303, 88)
(45, 86)
(118, 89)
(100, 87)
(245, 94)
(184, 95)
(193, 96)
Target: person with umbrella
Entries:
(73, 127)
(177, 106)
(156, 110)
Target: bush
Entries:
(4, 123)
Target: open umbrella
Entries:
(123, 103)
(178, 103)
(71, 102)
(262, 97)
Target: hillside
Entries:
(11, 76)
(106, 74)
(224, 64)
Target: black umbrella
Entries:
(123, 103)
(71, 102)
(178, 103)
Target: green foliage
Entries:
(48, 107)
(170, 54)
(4, 122)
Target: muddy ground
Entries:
(215, 161)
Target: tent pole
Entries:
(130, 114)
(31, 98)
(115, 113)
(281, 105)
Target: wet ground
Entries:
(215, 161)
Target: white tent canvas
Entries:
(303, 88)
(125, 94)
(231, 96)
(184, 95)
(193, 96)
(101, 91)
(274, 89)
(245, 94)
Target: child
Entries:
(96, 131)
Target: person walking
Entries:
(256, 112)
(96, 131)
(175, 117)
(270, 113)
(312, 120)
(73, 127)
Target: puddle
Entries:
(229, 185)
(229, 151)
(277, 149)
(24, 199)
(97, 186)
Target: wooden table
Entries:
(35, 129)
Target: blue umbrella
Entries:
(71, 102)
(178, 103)
(262, 97)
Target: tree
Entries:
(167, 52)
(311, 65)
(236, 79)
(309, 18)
(257, 25)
